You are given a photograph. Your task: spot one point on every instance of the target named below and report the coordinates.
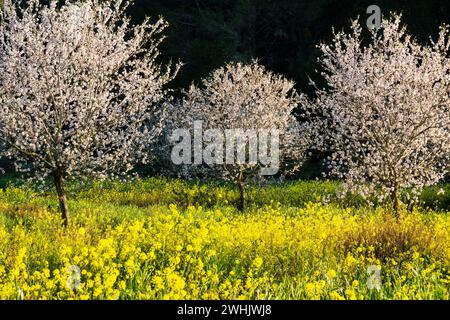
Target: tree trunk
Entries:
(395, 201)
(63, 207)
(241, 204)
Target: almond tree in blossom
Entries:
(78, 84)
(255, 104)
(386, 111)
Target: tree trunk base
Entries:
(62, 199)
(241, 204)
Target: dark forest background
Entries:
(282, 34)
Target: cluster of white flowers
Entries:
(249, 99)
(78, 84)
(385, 115)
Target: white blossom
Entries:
(385, 111)
(78, 84)
(245, 97)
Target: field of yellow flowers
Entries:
(159, 239)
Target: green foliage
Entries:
(156, 191)
(162, 191)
